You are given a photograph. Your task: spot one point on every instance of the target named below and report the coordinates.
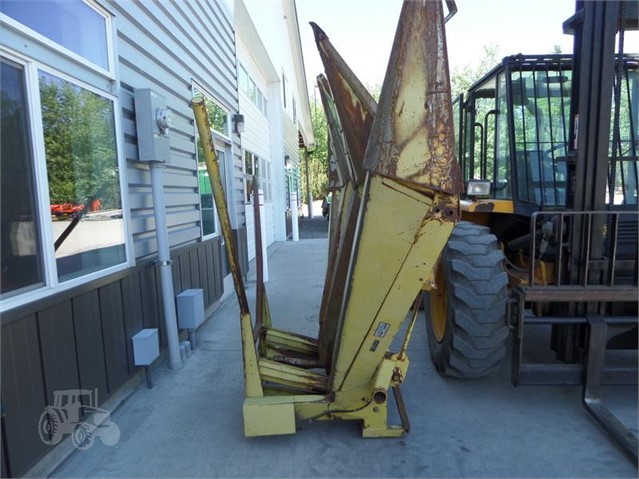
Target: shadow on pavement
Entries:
(315, 227)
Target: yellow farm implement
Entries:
(395, 204)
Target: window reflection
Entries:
(218, 117)
(82, 169)
(21, 260)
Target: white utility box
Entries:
(146, 347)
(190, 308)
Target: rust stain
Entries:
(306, 363)
(344, 167)
(484, 207)
(413, 135)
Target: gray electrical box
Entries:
(190, 308)
(153, 121)
(145, 347)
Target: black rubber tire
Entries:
(474, 340)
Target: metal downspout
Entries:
(164, 263)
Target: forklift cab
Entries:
(513, 128)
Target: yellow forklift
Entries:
(547, 146)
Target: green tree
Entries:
(318, 158)
(462, 78)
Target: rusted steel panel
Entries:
(412, 139)
(334, 180)
(344, 165)
(335, 287)
(355, 106)
(259, 260)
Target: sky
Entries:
(362, 31)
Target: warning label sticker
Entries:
(381, 330)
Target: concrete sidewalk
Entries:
(190, 423)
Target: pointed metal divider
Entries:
(397, 218)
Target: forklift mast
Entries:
(596, 277)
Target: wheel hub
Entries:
(439, 305)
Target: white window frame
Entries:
(245, 175)
(264, 166)
(109, 73)
(219, 144)
(266, 179)
(52, 284)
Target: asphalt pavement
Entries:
(190, 423)
(313, 228)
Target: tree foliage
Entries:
(462, 78)
(318, 158)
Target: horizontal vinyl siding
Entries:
(256, 137)
(290, 135)
(165, 46)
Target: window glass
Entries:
(287, 193)
(252, 91)
(70, 23)
(218, 117)
(209, 225)
(21, 249)
(82, 169)
(248, 163)
(623, 170)
(243, 79)
(248, 176)
(248, 85)
(294, 110)
(502, 185)
(284, 89)
(252, 167)
(260, 100)
(265, 179)
(541, 105)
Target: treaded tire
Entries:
(49, 426)
(474, 340)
